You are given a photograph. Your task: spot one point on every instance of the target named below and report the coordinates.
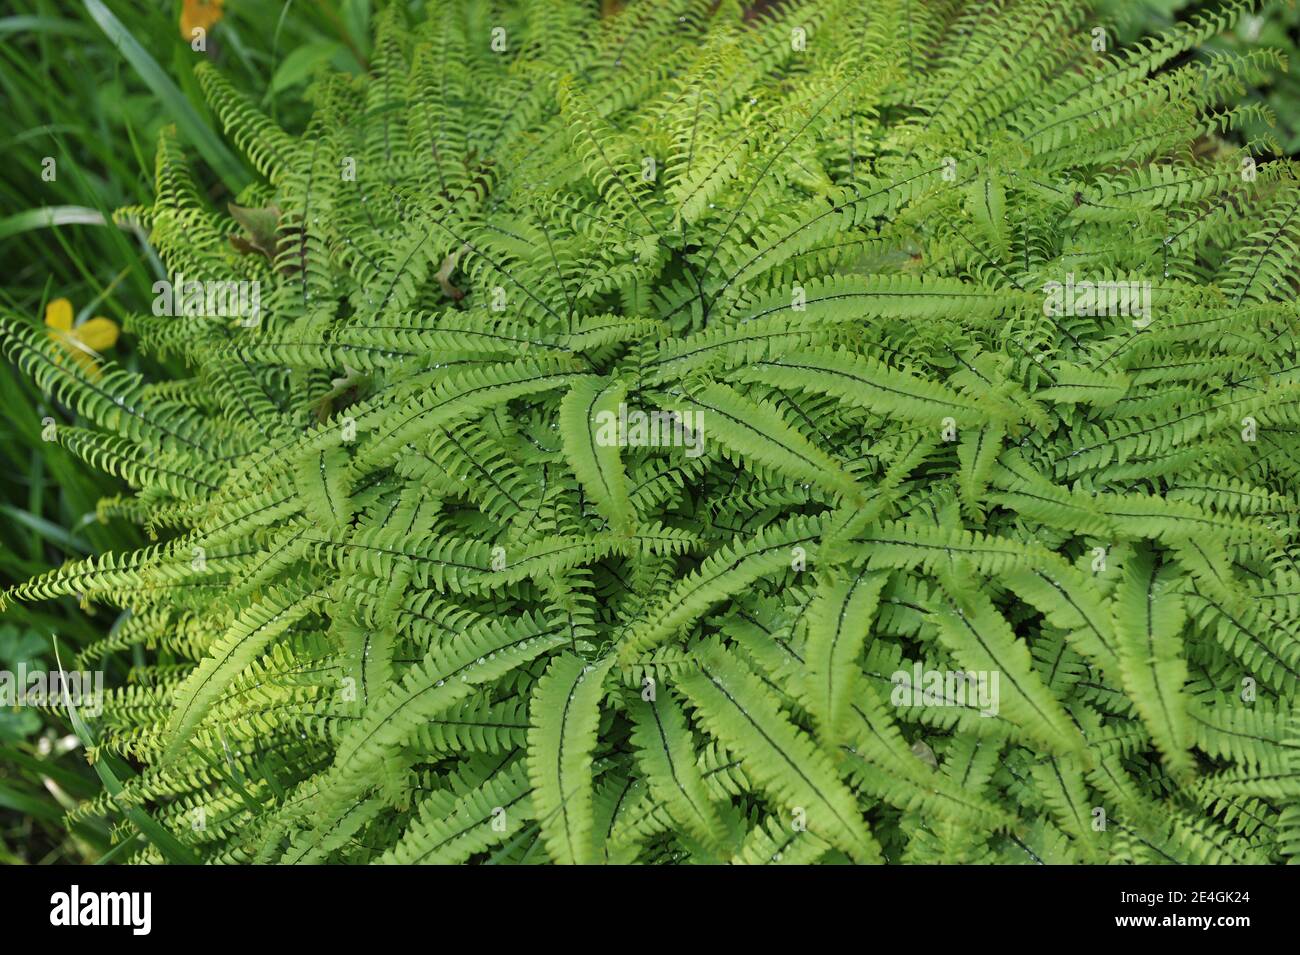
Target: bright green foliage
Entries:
(413, 603)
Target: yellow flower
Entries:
(199, 14)
(86, 341)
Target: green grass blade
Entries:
(49, 216)
(214, 151)
(172, 848)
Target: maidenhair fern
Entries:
(852, 432)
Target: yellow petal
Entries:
(199, 14)
(98, 334)
(89, 367)
(58, 315)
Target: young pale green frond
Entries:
(734, 706)
(565, 716)
(1149, 618)
(589, 426)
